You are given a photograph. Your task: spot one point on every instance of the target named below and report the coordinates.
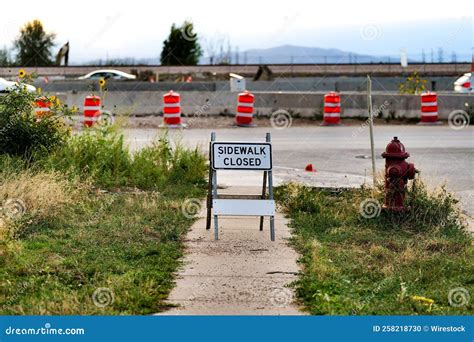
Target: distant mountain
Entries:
(298, 54)
(285, 54)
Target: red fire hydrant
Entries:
(397, 174)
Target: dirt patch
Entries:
(226, 121)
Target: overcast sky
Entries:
(100, 29)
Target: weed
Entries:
(358, 265)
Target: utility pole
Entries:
(371, 125)
(440, 55)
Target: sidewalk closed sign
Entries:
(255, 156)
(241, 156)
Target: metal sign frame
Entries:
(240, 205)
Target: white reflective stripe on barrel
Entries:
(244, 115)
(91, 107)
(244, 104)
(172, 105)
(430, 114)
(429, 104)
(332, 104)
(92, 118)
(174, 115)
(332, 115)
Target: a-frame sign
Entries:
(251, 156)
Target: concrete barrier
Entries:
(286, 70)
(354, 83)
(304, 104)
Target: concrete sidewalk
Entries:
(243, 273)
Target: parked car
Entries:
(107, 74)
(7, 86)
(463, 83)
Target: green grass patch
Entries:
(391, 264)
(102, 228)
(100, 156)
(127, 242)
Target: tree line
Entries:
(34, 47)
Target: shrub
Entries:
(20, 133)
(412, 85)
(97, 154)
(100, 155)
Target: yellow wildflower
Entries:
(423, 300)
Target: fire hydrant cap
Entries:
(395, 149)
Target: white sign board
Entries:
(237, 83)
(232, 207)
(403, 58)
(241, 156)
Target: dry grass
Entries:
(42, 193)
(29, 194)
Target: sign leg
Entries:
(272, 228)
(214, 195)
(209, 193)
(270, 194)
(264, 194)
(216, 228)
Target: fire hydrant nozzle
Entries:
(397, 174)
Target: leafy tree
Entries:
(5, 58)
(34, 45)
(182, 46)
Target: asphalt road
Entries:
(340, 155)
